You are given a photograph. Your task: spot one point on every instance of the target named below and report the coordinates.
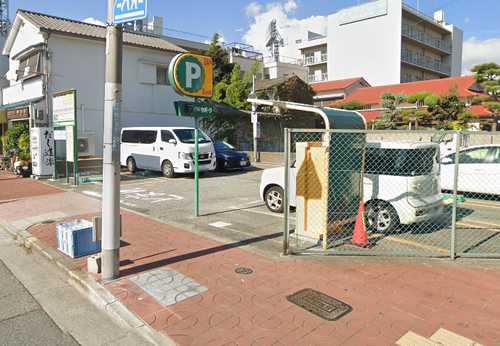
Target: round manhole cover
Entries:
(243, 271)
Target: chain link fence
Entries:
(414, 193)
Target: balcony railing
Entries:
(424, 61)
(312, 60)
(313, 78)
(416, 34)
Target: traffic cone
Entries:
(359, 236)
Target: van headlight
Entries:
(186, 156)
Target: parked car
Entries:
(479, 170)
(401, 185)
(229, 158)
(165, 149)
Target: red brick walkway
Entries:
(14, 187)
(388, 297)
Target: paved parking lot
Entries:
(232, 211)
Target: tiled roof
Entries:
(72, 27)
(478, 111)
(335, 84)
(264, 84)
(371, 95)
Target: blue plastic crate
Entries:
(74, 238)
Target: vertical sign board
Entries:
(64, 115)
(192, 75)
(125, 11)
(42, 151)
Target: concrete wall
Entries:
(369, 47)
(457, 38)
(80, 64)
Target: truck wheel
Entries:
(131, 166)
(381, 217)
(274, 199)
(167, 169)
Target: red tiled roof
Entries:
(371, 95)
(478, 110)
(335, 84)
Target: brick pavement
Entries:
(14, 187)
(388, 297)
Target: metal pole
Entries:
(286, 202)
(111, 150)
(457, 138)
(75, 143)
(256, 156)
(196, 172)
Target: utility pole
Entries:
(111, 159)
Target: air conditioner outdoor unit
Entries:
(86, 146)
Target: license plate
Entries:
(243, 163)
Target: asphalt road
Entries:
(232, 210)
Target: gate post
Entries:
(457, 138)
(286, 202)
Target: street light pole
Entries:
(111, 150)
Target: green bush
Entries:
(18, 139)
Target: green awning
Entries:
(341, 119)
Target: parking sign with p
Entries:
(191, 75)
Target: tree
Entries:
(390, 118)
(449, 112)
(488, 76)
(220, 58)
(351, 105)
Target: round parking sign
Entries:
(191, 75)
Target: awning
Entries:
(21, 103)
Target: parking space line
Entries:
(415, 244)
(482, 204)
(480, 224)
(260, 212)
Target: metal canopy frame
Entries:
(329, 115)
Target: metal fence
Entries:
(414, 194)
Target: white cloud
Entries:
(92, 20)
(291, 29)
(478, 51)
(239, 30)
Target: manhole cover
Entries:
(320, 304)
(243, 271)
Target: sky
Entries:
(246, 20)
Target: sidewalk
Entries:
(389, 296)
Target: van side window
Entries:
(130, 136)
(166, 136)
(147, 137)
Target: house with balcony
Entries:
(48, 54)
(386, 42)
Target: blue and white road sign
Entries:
(129, 10)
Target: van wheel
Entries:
(380, 216)
(167, 169)
(131, 166)
(274, 199)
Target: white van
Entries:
(401, 185)
(169, 150)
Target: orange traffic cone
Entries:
(359, 236)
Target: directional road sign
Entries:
(126, 11)
(191, 75)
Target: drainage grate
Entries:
(243, 271)
(320, 304)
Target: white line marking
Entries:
(260, 212)
(220, 224)
(92, 193)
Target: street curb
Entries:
(94, 291)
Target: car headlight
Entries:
(186, 156)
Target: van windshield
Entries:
(187, 136)
(402, 162)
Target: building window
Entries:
(29, 66)
(161, 75)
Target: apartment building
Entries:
(386, 42)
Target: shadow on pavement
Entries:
(196, 254)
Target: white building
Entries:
(50, 54)
(386, 42)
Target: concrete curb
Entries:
(87, 285)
